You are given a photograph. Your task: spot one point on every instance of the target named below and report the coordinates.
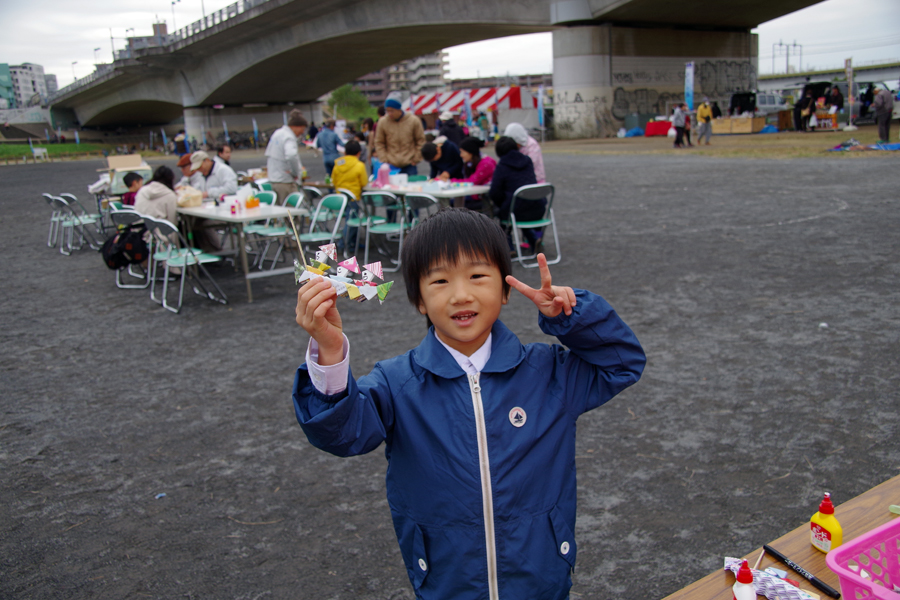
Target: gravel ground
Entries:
(764, 291)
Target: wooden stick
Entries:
(297, 235)
(759, 560)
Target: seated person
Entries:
(443, 155)
(157, 199)
(349, 171)
(350, 174)
(223, 154)
(529, 147)
(194, 179)
(513, 171)
(133, 182)
(221, 180)
(477, 169)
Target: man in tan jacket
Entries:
(398, 138)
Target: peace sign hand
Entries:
(550, 299)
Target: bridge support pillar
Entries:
(604, 74)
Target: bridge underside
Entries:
(612, 58)
(305, 73)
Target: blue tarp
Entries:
(769, 129)
(636, 132)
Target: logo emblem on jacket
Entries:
(517, 417)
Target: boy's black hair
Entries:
(447, 236)
(130, 178)
(429, 151)
(352, 148)
(505, 145)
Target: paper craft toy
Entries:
(355, 289)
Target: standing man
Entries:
(704, 117)
(328, 141)
(883, 105)
(283, 164)
(398, 137)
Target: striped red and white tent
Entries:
(481, 99)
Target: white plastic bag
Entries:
(813, 121)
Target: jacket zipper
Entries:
(487, 498)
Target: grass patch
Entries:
(20, 150)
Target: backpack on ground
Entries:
(126, 247)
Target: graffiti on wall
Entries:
(585, 113)
(641, 101)
(723, 77)
(648, 77)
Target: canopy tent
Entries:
(481, 99)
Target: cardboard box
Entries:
(120, 166)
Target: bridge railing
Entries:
(211, 20)
(184, 34)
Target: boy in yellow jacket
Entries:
(349, 172)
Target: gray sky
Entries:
(54, 33)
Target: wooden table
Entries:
(457, 194)
(263, 212)
(857, 516)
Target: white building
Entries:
(29, 84)
(420, 75)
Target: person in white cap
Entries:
(221, 180)
(529, 147)
(449, 128)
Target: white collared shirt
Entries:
(332, 379)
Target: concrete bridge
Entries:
(612, 58)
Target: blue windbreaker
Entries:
(481, 468)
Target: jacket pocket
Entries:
(565, 539)
(420, 564)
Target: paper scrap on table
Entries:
(769, 585)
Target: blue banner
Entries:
(165, 139)
(541, 105)
(225, 127)
(468, 104)
(77, 140)
(255, 132)
(689, 85)
(203, 134)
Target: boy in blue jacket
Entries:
(479, 430)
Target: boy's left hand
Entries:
(550, 299)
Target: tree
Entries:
(349, 103)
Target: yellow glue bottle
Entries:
(825, 532)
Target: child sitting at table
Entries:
(350, 174)
(133, 182)
(479, 430)
(477, 169)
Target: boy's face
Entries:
(463, 301)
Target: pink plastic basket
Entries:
(876, 554)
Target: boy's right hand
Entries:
(317, 313)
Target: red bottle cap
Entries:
(826, 507)
(745, 575)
